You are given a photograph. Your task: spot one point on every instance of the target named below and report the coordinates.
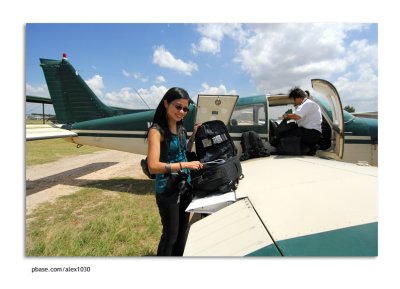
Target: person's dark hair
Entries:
(160, 116)
(297, 93)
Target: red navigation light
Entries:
(64, 55)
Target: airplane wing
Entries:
(294, 206)
(45, 131)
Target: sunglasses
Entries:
(180, 107)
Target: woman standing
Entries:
(166, 154)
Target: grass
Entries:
(117, 217)
(46, 151)
(36, 121)
(102, 219)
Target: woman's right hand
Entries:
(194, 165)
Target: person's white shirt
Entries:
(310, 113)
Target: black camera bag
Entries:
(220, 176)
(214, 142)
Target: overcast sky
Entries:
(118, 61)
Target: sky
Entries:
(120, 61)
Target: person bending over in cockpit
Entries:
(308, 117)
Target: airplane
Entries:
(285, 205)
(89, 121)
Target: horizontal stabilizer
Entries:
(38, 132)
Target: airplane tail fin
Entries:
(72, 98)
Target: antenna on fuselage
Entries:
(142, 98)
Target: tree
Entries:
(349, 108)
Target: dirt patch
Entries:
(47, 182)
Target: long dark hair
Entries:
(160, 120)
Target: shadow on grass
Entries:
(70, 177)
(74, 178)
(124, 185)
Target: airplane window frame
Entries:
(255, 115)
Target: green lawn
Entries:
(109, 218)
(46, 151)
(117, 217)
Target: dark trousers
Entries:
(175, 223)
(309, 137)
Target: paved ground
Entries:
(47, 182)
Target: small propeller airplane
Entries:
(285, 205)
(88, 121)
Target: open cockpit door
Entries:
(215, 107)
(336, 120)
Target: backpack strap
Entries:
(182, 136)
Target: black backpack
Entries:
(222, 169)
(219, 176)
(214, 142)
(252, 146)
(289, 145)
(284, 126)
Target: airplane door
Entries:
(329, 91)
(215, 107)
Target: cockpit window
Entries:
(276, 112)
(248, 115)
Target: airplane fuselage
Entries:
(128, 132)
(345, 137)
(299, 206)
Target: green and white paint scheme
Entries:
(91, 122)
(324, 205)
(294, 206)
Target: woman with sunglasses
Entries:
(167, 145)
